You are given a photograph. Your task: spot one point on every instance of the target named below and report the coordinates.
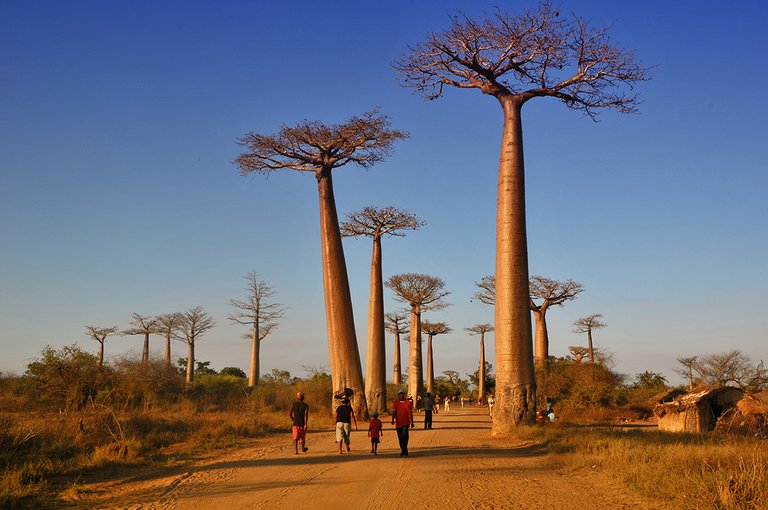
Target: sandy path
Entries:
(457, 464)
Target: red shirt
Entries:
(374, 428)
(402, 413)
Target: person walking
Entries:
(375, 432)
(402, 416)
(447, 400)
(429, 403)
(344, 418)
(300, 416)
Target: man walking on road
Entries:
(428, 403)
(300, 416)
(402, 417)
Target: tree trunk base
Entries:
(513, 407)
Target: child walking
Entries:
(375, 432)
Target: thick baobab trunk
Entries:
(376, 361)
(397, 376)
(168, 351)
(346, 371)
(430, 367)
(589, 346)
(415, 366)
(101, 354)
(145, 351)
(481, 371)
(515, 378)
(253, 373)
(541, 339)
(191, 362)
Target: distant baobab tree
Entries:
(257, 312)
(167, 324)
(586, 325)
(376, 223)
(192, 325)
(423, 293)
(397, 325)
(551, 293)
(578, 352)
(481, 329)
(516, 58)
(100, 335)
(312, 146)
(432, 329)
(142, 325)
(689, 365)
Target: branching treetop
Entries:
(479, 329)
(257, 308)
(486, 292)
(100, 333)
(587, 324)
(552, 292)
(396, 323)
(375, 222)
(194, 323)
(435, 328)
(419, 290)
(312, 146)
(142, 325)
(535, 53)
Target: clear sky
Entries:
(118, 123)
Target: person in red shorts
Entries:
(300, 416)
(402, 416)
(375, 432)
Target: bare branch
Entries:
(376, 223)
(421, 291)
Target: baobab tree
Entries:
(551, 293)
(377, 223)
(100, 335)
(167, 324)
(257, 312)
(192, 325)
(516, 58)
(396, 324)
(423, 293)
(586, 325)
(486, 290)
(688, 363)
(432, 329)
(143, 325)
(481, 329)
(312, 146)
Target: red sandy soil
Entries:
(456, 465)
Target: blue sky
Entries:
(118, 123)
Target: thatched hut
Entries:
(696, 411)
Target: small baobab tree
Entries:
(689, 365)
(423, 293)
(100, 335)
(578, 352)
(586, 325)
(481, 329)
(145, 326)
(516, 58)
(432, 329)
(319, 148)
(167, 324)
(397, 324)
(376, 223)
(545, 293)
(257, 312)
(193, 324)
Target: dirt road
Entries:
(457, 464)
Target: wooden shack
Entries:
(697, 410)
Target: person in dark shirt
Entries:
(300, 416)
(344, 418)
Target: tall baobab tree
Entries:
(142, 325)
(167, 324)
(432, 329)
(551, 293)
(481, 329)
(515, 58)
(100, 335)
(257, 312)
(377, 223)
(586, 325)
(397, 325)
(312, 146)
(423, 293)
(192, 325)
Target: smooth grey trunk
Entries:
(168, 350)
(346, 370)
(415, 366)
(191, 361)
(376, 360)
(101, 354)
(253, 372)
(430, 367)
(515, 376)
(589, 346)
(541, 339)
(145, 351)
(397, 377)
(481, 371)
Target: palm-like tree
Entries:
(514, 59)
(586, 325)
(396, 323)
(193, 324)
(100, 334)
(481, 329)
(318, 148)
(145, 326)
(422, 292)
(377, 223)
(432, 329)
(550, 293)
